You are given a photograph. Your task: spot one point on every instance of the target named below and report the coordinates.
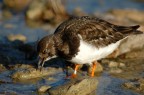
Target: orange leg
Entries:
(93, 69)
(75, 71)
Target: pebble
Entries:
(44, 88)
(20, 37)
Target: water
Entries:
(91, 6)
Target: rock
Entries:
(133, 42)
(122, 65)
(51, 79)
(136, 84)
(115, 71)
(48, 15)
(2, 68)
(16, 5)
(33, 73)
(75, 87)
(35, 10)
(113, 64)
(44, 88)
(6, 14)
(46, 11)
(13, 37)
(113, 67)
(135, 54)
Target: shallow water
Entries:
(108, 85)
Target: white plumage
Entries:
(89, 53)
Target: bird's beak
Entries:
(41, 62)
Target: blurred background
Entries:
(30, 20)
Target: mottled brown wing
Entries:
(94, 31)
(101, 33)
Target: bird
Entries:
(83, 40)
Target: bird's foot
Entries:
(91, 75)
(71, 76)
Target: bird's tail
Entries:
(129, 30)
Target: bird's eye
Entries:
(45, 51)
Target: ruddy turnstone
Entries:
(83, 40)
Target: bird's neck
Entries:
(57, 41)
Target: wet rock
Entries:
(2, 68)
(131, 68)
(114, 67)
(134, 54)
(16, 5)
(133, 42)
(75, 87)
(136, 84)
(44, 88)
(113, 64)
(51, 79)
(22, 66)
(13, 37)
(32, 73)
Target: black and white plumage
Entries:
(84, 40)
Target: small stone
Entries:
(122, 65)
(128, 85)
(48, 15)
(35, 10)
(16, 5)
(50, 79)
(20, 37)
(44, 88)
(105, 61)
(116, 71)
(113, 64)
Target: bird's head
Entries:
(46, 49)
